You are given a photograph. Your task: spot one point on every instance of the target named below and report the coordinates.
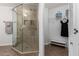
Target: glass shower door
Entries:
(19, 22)
(27, 40)
(30, 34)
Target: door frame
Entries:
(41, 31)
(73, 39)
(71, 45)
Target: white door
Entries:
(73, 29)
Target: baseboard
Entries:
(57, 43)
(6, 44)
(47, 43)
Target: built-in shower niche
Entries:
(25, 38)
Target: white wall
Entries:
(55, 25)
(41, 28)
(5, 15)
(52, 26)
(45, 24)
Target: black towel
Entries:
(64, 29)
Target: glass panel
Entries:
(19, 18)
(30, 34)
(25, 28)
(14, 17)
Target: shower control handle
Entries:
(22, 27)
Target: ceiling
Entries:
(53, 5)
(16, 4)
(48, 5)
(9, 4)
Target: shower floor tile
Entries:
(24, 48)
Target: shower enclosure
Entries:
(25, 28)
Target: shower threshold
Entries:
(33, 53)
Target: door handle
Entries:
(75, 31)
